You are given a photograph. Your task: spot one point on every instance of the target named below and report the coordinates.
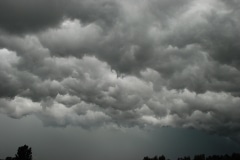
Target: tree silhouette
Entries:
(24, 153)
(162, 157)
(146, 158)
(10, 158)
(234, 156)
(199, 157)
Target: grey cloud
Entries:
(18, 107)
(127, 45)
(27, 16)
(99, 97)
(215, 29)
(157, 63)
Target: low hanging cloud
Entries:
(129, 63)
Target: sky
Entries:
(108, 79)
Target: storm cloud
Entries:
(122, 63)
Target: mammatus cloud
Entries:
(151, 63)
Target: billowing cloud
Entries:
(129, 63)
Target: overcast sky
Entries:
(108, 79)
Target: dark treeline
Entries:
(23, 153)
(234, 156)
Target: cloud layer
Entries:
(146, 63)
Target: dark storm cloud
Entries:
(99, 63)
(28, 16)
(127, 44)
(217, 32)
